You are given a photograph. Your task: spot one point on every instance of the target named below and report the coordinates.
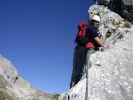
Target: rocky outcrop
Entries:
(14, 87)
(123, 7)
(110, 76)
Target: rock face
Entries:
(123, 7)
(14, 87)
(111, 74)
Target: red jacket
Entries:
(84, 30)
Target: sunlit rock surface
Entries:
(111, 74)
(14, 87)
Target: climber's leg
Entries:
(78, 65)
(74, 66)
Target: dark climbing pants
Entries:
(79, 60)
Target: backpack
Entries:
(81, 38)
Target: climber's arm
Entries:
(96, 36)
(99, 41)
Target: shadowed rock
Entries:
(123, 7)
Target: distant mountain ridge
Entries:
(14, 87)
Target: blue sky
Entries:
(38, 37)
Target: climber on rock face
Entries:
(88, 41)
